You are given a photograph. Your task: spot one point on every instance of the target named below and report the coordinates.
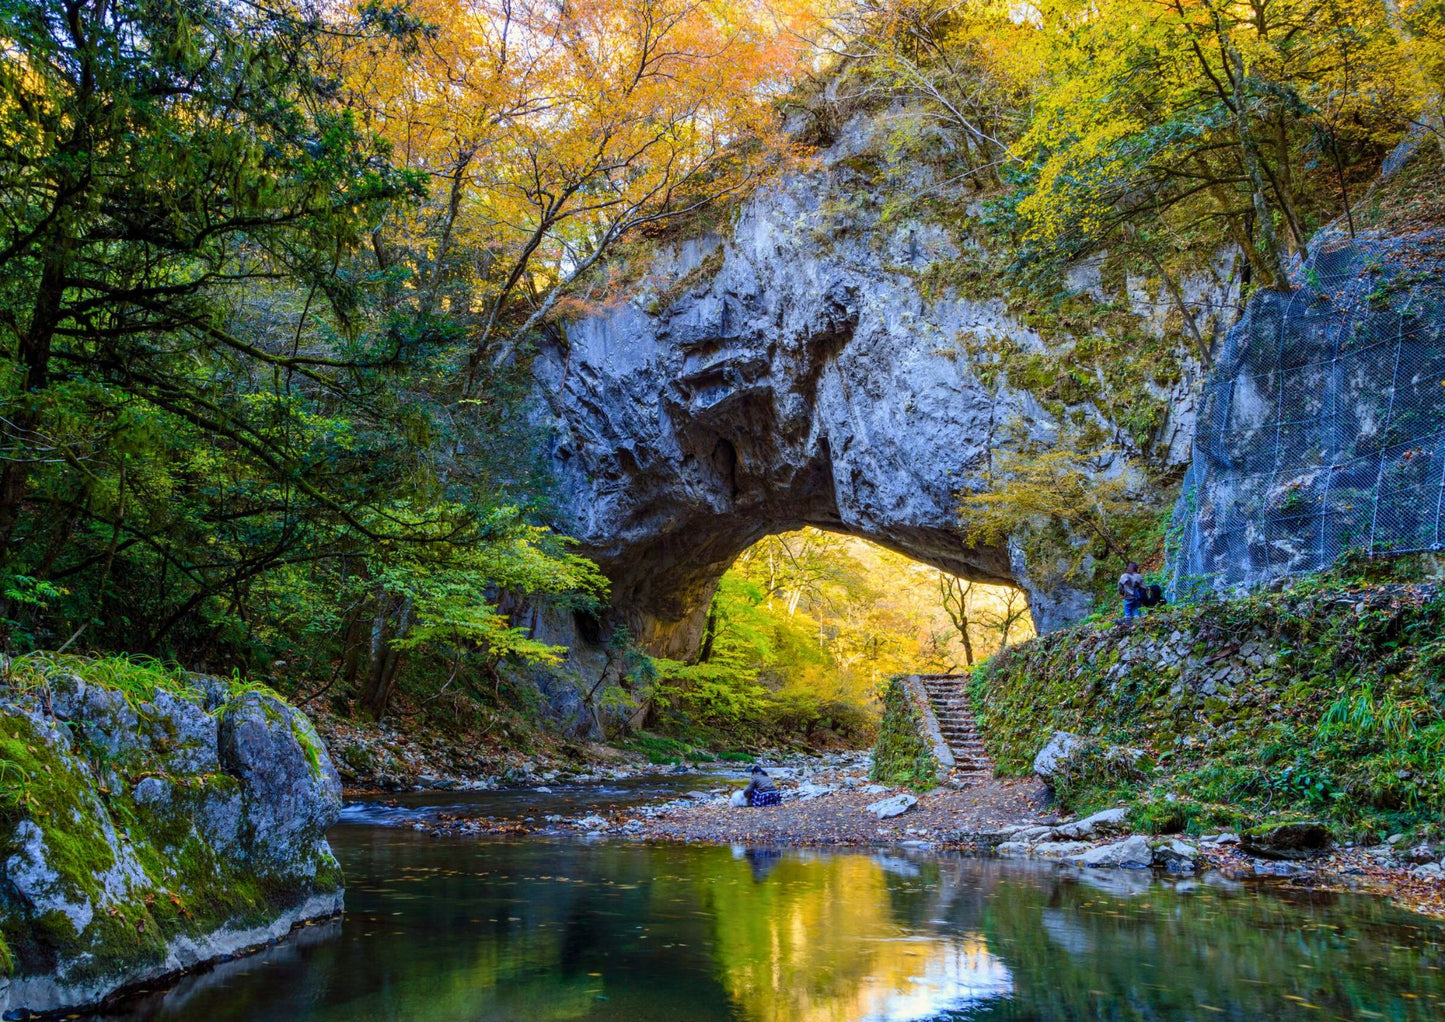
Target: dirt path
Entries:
(837, 815)
(948, 817)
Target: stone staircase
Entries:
(948, 695)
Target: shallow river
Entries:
(543, 929)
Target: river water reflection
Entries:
(552, 929)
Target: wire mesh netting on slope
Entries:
(1322, 427)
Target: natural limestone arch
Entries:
(823, 397)
(791, 373)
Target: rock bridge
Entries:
(790, 373)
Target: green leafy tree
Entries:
(1071, 505)
(227, 427)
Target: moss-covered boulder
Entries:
(1287, 839)
(150, 820)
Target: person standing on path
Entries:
(1131, 587)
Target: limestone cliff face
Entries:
(789, 374)
(1322, 425)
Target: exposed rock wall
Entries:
(1323, 423)
(791, 373)
(146, 830)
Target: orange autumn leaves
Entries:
(550, 130)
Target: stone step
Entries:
(953, 709)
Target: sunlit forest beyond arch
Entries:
(807, 626)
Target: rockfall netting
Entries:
(1322, 427)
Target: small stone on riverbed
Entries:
(1176, 856)
(895, 806)
(1130, 853)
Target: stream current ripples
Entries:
(466, 930)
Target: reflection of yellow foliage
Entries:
(816, 940)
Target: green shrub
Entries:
(902, 756)
(1095, 775)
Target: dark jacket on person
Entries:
(760, 782)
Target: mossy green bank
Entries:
(120, 828)
(1317, 701)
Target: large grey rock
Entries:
(1176, 855)
(1106, 821)
(791, 373)
(889, 807)
(1130, 853)
(155, 837)
(291, 792)
(102, 718)
(1058, 749)
(1297, 839)
(181, 734)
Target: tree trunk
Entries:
(391, 622)
(34, 354)
(1249, 153)
(709, 633)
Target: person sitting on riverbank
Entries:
(761, 791)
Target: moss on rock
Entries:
(902, 756)
(1318, 701)
(125, 828)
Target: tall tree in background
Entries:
(948, 61)
(158, 159)
(953, 596)
(1174, 117)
